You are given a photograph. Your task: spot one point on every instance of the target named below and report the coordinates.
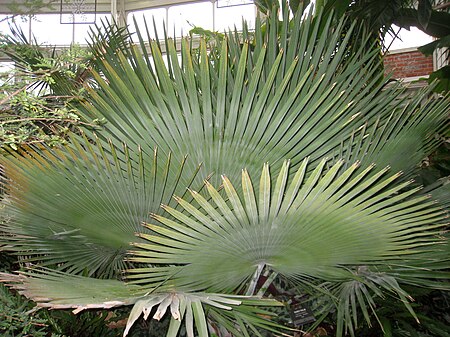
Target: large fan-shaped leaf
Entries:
(411, 131)
(292, 91)
(301, 226)
(79, 207)
(314, 226)
(57, 290)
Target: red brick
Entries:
(408, 64)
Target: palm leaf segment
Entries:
(58, 290)
(79, 207)
(313, 226)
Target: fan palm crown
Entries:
(255, 154)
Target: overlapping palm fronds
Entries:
(203, 127)
(91, 185)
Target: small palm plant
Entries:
(281, 152)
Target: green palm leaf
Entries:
(412, 130)
(260, 100)
(221, 244)
(358, 294)
(79, 207)
(315, 226)
(57, 290)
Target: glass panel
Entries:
(48, 30)
(229, 3)
(5, 73)
(408, 39)
(21, 22)
(158, 14)
(4, 29)
(77, 11)
(82, 30)
(228, 17)
(6, 66)
(186, 17)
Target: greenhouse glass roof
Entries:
(63, 22)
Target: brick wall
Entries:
(409, 63)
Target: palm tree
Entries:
(281, 152)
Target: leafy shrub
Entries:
(16, 319)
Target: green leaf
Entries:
(336, 221)
(424, 10)
(200, 320)
(94, 184)
(175, 321)
(441, 78)
(192, 133)
(429, 48)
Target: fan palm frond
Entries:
(259, 100)
(358, 295)
(59, 198)
(314, 226)
(57, 290)
(410, 130)
(304, 226)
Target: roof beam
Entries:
(12, 7)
